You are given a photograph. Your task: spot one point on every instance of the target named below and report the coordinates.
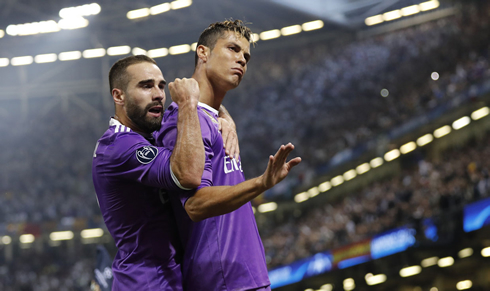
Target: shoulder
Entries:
(120, 140)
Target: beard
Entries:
(139, 116)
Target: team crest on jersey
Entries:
(146, 154)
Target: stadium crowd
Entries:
(430, 189)
(323, 98)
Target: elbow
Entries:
(190, 181)
(194, 213)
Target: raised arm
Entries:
(187, 159)
(218, 200)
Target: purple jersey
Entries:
(128, 171)
(223, 252)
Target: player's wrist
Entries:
(260, 184)
(189, 103)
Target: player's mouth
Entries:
(238, 71)
(156, 111)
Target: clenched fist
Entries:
(184, 91)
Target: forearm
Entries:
(187, 160)
(218, 200)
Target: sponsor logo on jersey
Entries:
(146, 154)
(231, 165)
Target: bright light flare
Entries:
(349, 175)
(463, 285)
(376, 279)
(157, 9)
(92, 233)
(267, 207)
(336, 181)
(138, 51)
(2, 33)
(391, 155)
(425, 139)
(313, 192)
(312, 25)
(70, 56)
(138, 13)
(255, 37)
(429, 5)
(301, 197)
(349, 284)
(325, 186)
(4, 62)
(373, 20)
(410, 10)
(6, 240)
(22, 61)
(392, 15)
(178, 4)
(445, 262)
(27, 238)
(158, 53)
(61, 235)
(73, 23)
(289, 30)
(464, 253)
(180, 49)
(363, 168)
(410, 271)
(408, 147)
(270, 34)
(119, 50)
(376, 162)
(45, 58)
(326, 287)
(485, 252)
(94, 53)
(83, 10)
(434, 76)
(442, 131)
(429, 262)
(480, 113)
(462, 122)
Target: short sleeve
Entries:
(132, 157)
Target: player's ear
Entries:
(118, 96)
(202, 53)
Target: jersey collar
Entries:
(209, 108)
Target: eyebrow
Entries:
(144, 82)
(247, 55)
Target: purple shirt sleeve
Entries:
(134, 158)
(167, 137)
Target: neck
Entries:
(209, 93)
(126, 121)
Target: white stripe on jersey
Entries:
(121, 128)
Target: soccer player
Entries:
(222, 246)
(128, 170)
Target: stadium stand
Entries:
(325, 99)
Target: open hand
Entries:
(277, 168)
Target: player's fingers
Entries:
(283, 155)
(237, 150)
(230, 144)
(294, 162)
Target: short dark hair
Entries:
(210, 35)
(118, 77)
